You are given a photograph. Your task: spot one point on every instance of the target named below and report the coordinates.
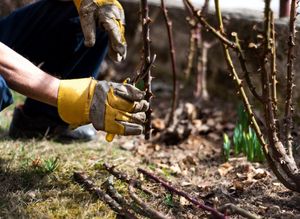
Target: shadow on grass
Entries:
(13, 183)
(17, 180)
(3, 133)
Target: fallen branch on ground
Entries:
(237, 210)
(136, 205)
(149, 212)
(82, 179)
(125, 178)
(108, 185)
(187, 196)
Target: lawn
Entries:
(36, 175)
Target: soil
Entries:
(196, 165)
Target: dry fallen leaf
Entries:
(184, 184)
(238, 185)
(204, 129)
(191, 111)
(158, 124)
(213, 136)
(175, 169)
(189, 160)
(211, 123)
(225, 168)
(260, 173)
(184, 202)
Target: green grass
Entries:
(36, 184)
(5, 116)
(169, 200)
(36, 175)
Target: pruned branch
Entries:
(187, 196)
(237, 210)
(148, 211)
(109, 186)
(125, 178)
(82, 179)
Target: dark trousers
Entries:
(48, 33)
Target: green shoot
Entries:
(50, 165)
(226, 147)
(169, 200)
(244, 139)
(45, 166)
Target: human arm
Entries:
(112, 107)
(24, 77)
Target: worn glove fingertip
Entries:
(114, 55)
(145, 106)
(109, 137)
(89, 42)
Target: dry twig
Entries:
(148, 211)
(125, 178)
(109, 186)
(187, 196)
(82, 179)
(237, 210)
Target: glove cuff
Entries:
(100, 3)
(74, 100)
(77, 4)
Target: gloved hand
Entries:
(111, 107)
(110, 15)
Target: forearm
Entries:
(24, 77)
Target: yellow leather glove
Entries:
(112, 107)
(110, 15)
